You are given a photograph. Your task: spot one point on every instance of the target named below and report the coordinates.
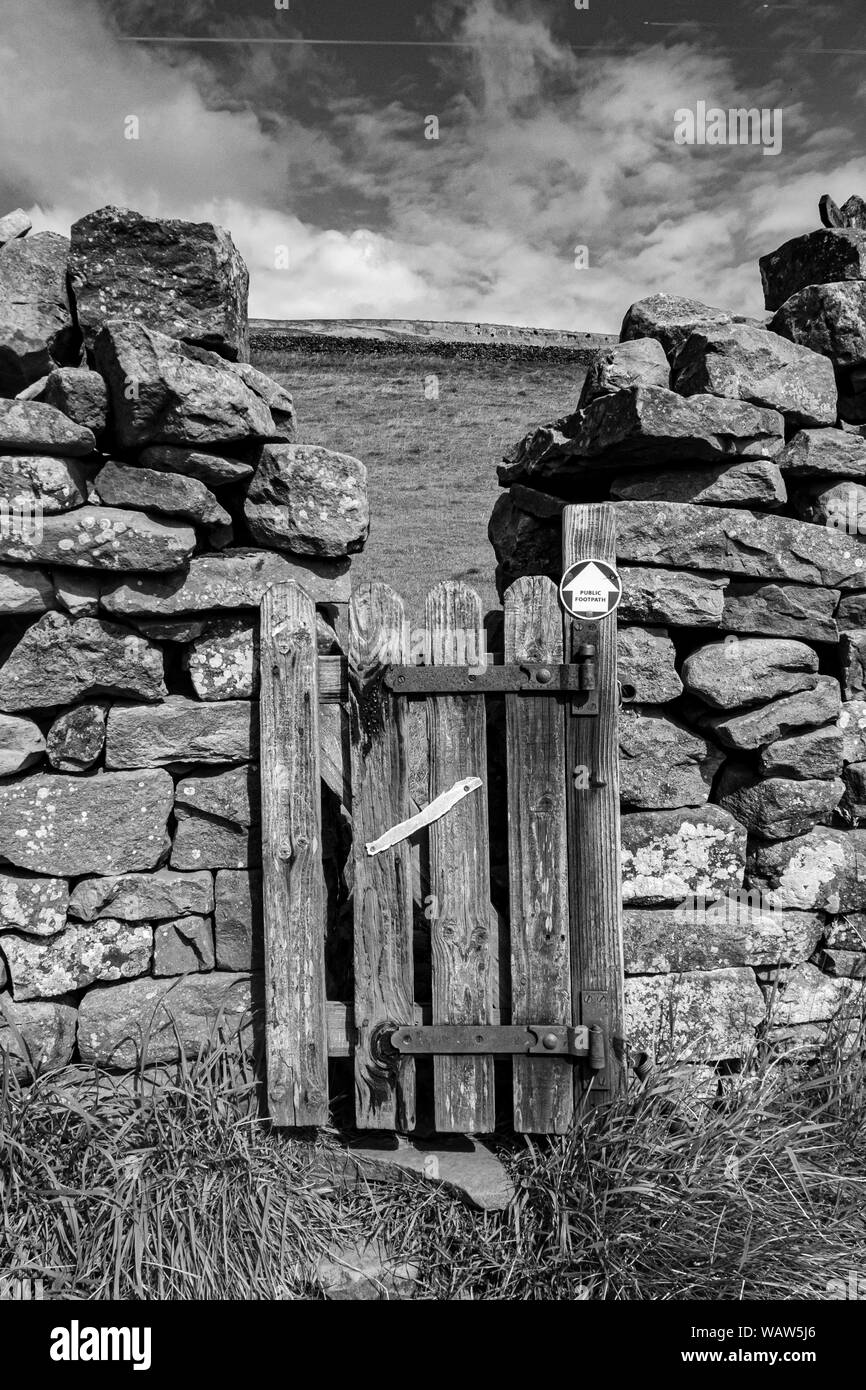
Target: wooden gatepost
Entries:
(594, 869)
(292, 887)
(552, 1002)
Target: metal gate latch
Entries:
(577, 679)
(479, 1039)
(513, 678)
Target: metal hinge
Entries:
(577, 679)
(530, 1040)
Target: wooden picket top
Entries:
(346, 723)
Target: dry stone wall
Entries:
(151, 489)
(734, 454)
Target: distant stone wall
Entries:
(734, 455)
(150, 491)
(488, 343)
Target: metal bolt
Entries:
(544, 675)
(549, 1041)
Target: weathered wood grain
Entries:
(538, 857)
(462, 948)
(382, 898)
(333, 685)
(335, 756)
(334, 752)
(595, 891)
(292, 883)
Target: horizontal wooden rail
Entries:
(333, 680)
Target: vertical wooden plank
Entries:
(384, 1093)
(462, 946)
(538, 857)
(292, 884)
(595, 888)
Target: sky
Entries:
(555, 195)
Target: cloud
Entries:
(70, 87)
(541, 149)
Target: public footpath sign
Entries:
(590, 590)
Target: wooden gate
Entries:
(539, 986)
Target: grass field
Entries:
(431, 462)
(112, 1191)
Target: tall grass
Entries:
(118, 1188)
(114, 1187)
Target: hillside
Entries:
(430, 408)
(420, 337)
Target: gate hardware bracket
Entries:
(426, 816)
(597, 1058)
(514, 678)
(585, 651)
(481, 1039)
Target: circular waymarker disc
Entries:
(589, 590)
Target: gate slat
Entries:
(462, 948)
(538, 858)
(595, 889)
(383, 923)
(292, 883)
